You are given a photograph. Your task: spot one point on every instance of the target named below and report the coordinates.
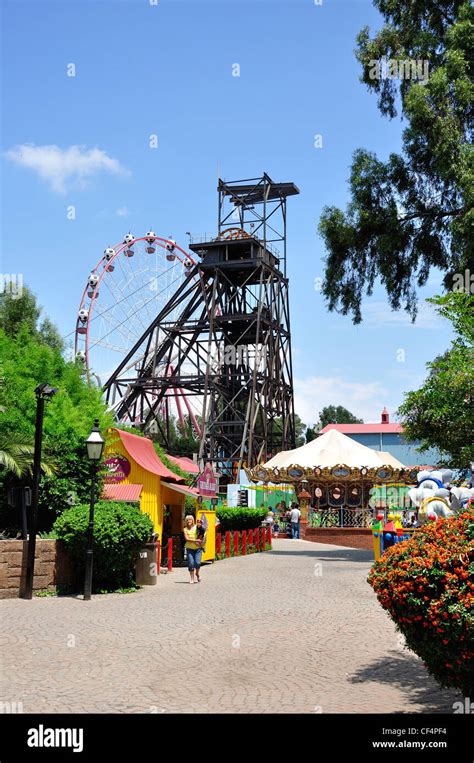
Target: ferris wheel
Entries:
(124, 292)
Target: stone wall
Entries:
(51, 566)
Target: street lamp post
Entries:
(43, 392)
(95, 448)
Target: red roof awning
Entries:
(142, 451)
(364, 428)
(120, 492)
(185, 463)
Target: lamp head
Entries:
(45, 390)
(95, 443)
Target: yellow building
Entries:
(136, 473)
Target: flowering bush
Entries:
(427, 585)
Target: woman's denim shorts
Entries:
(194, 558)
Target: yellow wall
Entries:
(210, 552)
(154, 494)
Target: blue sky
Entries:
(166, 69)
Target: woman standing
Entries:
(193, 547)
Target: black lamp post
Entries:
(43, 392)
(95, 448)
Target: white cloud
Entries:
(364, 399)
(380, 314)
(122, 211)
(66, 168)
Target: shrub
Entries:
(427, 585)
(240, 518)
(120, 529)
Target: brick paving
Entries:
(293, 630)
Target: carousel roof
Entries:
(331, 449)
(389, 460)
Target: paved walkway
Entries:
(293, 630)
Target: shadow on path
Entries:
(337, 554)
(405, 671)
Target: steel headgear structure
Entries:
(223, 337)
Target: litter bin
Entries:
(146, 569)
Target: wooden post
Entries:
(236, 543)
(244, 542)
(250, 537)
(269, 536)
(262, 539)
(218, 544)
(227, 543)
(158, 556)
(170, 554)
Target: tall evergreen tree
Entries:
(413, 211)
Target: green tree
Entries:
(439, 414)
(29, 358)
(181, 440)
(22, 311)
(413, 212)
(300, 429)
(337, 414)
(50, 335)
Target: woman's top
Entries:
(190, 532)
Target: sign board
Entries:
(118, 468)
(207, 482)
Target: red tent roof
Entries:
(121, 492)
(185, 463)
(142, 451)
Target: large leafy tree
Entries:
(22, 311)
(414, 211)
(337, 414)
(180, 440)
(331, 414)
(30, 355)
(439, 414)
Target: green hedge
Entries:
(120, 530)
(240, 518)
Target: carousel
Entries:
(339, 480)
